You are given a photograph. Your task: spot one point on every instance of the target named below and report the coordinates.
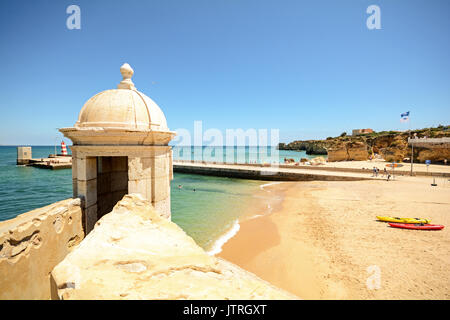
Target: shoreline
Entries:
(259, 248)
(216, 248)
(262, 205)
(323, 241)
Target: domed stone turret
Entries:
(120, 146)
(124, 107)
(107, 115)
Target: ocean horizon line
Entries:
(52, 145)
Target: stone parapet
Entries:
(134, 253)
(32, 244)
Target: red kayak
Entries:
(419, 226)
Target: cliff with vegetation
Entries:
(389, 145)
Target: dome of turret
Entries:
(124, 107)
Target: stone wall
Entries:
(32, 244)
(135, 253)
(258, 172)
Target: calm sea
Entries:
(207, 208)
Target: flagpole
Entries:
(412, 146)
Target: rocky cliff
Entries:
(133, 253)
(389, 145)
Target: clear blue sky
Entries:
(309, 68)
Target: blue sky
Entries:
(309, 68)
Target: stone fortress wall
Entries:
(132, 253)
(32, 244)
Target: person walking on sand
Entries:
(374, 171)
(384, 172)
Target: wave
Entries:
(269, 184)
(217, 246)
(255, 216)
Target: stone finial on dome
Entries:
(127, 73)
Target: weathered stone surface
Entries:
(337, 154)
(86, 168)
(139, 168)
(32, 244)
(357, 151)
(435, 155)
(134, 253)
(348, 151)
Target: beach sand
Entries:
(322, 240)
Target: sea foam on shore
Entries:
(269, 184)
(231, 232)
(217, 246)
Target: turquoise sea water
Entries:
(206, 214)
(237, 154)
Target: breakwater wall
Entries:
(315, 171)
(267, 173)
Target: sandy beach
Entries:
(322, 240)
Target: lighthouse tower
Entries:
(63, 148)
(120, 146)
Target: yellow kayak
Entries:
(403, 220)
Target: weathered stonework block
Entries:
(86, 168)
(163, 208)
(161, 166)
(171, 164)
(90, 218)
(87, 191)
(139, 168)
(160, 189)
(74, 167)
(74, 188)
(142, 187)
